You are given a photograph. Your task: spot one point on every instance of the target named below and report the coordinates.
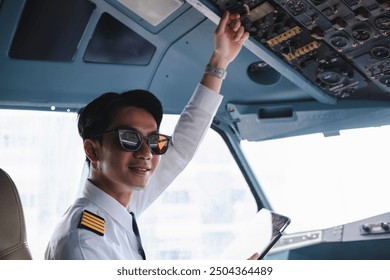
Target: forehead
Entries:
(135, 118)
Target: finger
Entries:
(234, 16)
(222, 23)
(239, 34)
(255, 256)
(244, 37)
(235, 25)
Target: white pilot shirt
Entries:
(117, 240)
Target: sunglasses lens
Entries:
(158, 143)
(130, 140)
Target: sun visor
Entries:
(257, 122)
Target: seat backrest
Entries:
(13, 237)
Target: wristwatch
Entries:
(217, 72)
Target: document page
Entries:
(257, 236)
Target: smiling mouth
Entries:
(139, 169)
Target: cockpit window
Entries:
(51, 30)
(322, 182)
(203, 210)
(115, 43)
(199, 215)
(42, 152)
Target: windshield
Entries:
(196, 218)
(42, 152)
(322, 182)
(319, 182)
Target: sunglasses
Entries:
(132, 140)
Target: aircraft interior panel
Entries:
(340, 47)
(351, 241)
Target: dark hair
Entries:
(96, 117)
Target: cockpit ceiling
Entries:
(300, 54)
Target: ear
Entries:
(91, 149)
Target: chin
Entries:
(139, 187)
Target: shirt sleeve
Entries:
(75, 247)
(189, 132)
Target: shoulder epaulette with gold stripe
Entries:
(92, 222)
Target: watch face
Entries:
(218, 72)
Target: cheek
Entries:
(113, 155)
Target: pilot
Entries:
(131, 163)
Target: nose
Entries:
(144, 151)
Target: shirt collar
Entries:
(107, 203)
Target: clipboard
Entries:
(260, 235)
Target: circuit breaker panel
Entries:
(342, 47)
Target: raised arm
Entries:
(229, 37)
(197, 116)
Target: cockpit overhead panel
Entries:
(341, 47)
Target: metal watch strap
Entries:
(217, 72)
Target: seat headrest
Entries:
(13, 238)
